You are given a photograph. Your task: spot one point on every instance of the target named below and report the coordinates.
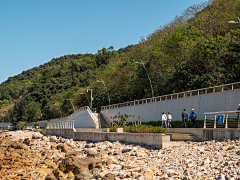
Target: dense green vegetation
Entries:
(197, 49)
(140, 129)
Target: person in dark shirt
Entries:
(193, 117)
(184, 117)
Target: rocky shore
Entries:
(30, 155)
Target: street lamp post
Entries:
(147, 75)
(59, 108)
(40, 113)
(87, 98)
(8, 116)
(90, 104)
(105, 88)
(70, 99)
(91, 97)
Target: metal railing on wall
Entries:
(196, 92)
(70, 123)
(93, 117)
(67, 117)
(61, 125)
(225, 118)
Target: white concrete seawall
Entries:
(220, 101)
(155, 139)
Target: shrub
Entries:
(145, 129)
(113, 129)
(45, 127)
(180, 124)
(154, 123)
(21, 124)
(177, 124)
(120, 120)
(36, 125)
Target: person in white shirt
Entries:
(169, 119)
(164, 119)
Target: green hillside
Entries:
(197, 49)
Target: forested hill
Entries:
(197, 49)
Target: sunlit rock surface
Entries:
(30, 155)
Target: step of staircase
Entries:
(101, 121)
(88, 130)
(182, 137)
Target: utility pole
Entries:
(70, 99)
(105, 88)
(91, 97)
(147, 75)
(87, 98)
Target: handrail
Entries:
(67, 117)
(222, 112)
(61, 125)
(196, 92)
(215, 117)
(92, 116)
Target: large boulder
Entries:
(79, 165)
(27, 141)
(91, 153)
(16, 145)
(50, 177)
(109, 176)
(63, 147)
(59, 174)
(92, 163)
(83, 175)
(36, 135)
(74, 164)
(53, 139)
(97, 176)
(73, 153)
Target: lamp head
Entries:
(232, 22)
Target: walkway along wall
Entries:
(209, 133)
(159, 140)
(218, 101)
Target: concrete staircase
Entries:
(183, 137)
(101, 121)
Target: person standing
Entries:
(184, 117)
(193, 117)
(164, 119)
(169, 119)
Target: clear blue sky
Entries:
(33, 32)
